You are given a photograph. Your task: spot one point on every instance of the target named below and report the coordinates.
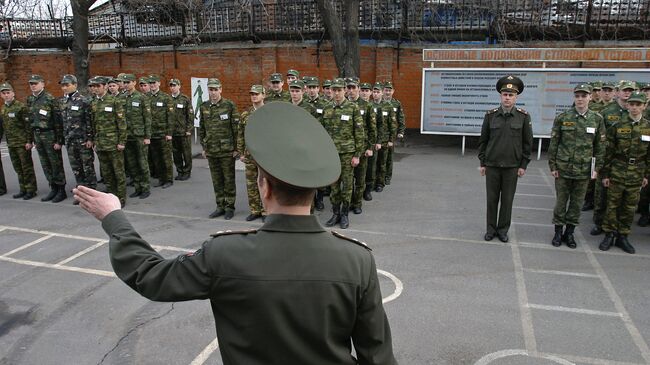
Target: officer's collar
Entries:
(292, 223)
(506, 112)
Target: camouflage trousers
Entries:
(222, 170)
(137, 166)
(21, 160)
(389, 164)
(382, 160)
(82, 163)
(570, 194)
(162, 158)
(591, 187)
(342, 189)
(644, 201)
(51, 159)
(371, 169)
(150, 161)
(600, 202)
(254, 199)
(111, 164)
(3, 183)
(182, 151)
(359, 182)
(621, 205)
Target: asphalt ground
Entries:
(451, 297)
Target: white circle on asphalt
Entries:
(398, 286)
(507, 353)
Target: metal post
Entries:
(463, 148)
(539, 148)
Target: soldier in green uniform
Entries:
(137, 115)
(218, 133)
(144, 88)
(15, 122)
(644, 199)
(246, 275)
(161, 132)
(143, 85)
(504, 153)
(386, 133)
(3, 184)
(113, 87)
(327, 91)
(344, 123)
(319, 103)
(78, 132)
(276, 93)
(596, 102)
(612, 114)
(110, 131)
(578, 135)
(292, 75)
(182, 117)
(254, 199)
(626, 171)
(297, 91)
(45, 118)
(400, 129)
(366, 94)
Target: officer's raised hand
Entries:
(98, 204)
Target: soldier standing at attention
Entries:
(327, 91)
(113, 87)
(297, 90)
(578, 134)
(161, 132)
(183, 122)
(45, 118)
(386, 133)
(319, 103)
(218, 134)
(344, 123)
(626, 171)
(3, 184)
(644, 199)
(78, 133)
(276, 93)
(504, 152)
(596, 102)
(292, 75)
(15, 123)
(137, 115)
(254, 198)
(400, 128)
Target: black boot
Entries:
(587, 206)
(644, 220)
(336, 216)
(318, 201)
(367, 194)
(597, 230)
(51, 195)
(607, 242)
(345, 222)
(568, 236)
(557, 238)
(19, 195)
(624, 244)
(60, 195)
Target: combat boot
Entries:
(607, 242)
(318, 201)
(345, 222)
(624, 244)
(568, 238)
(367, 194)
(644, 220)
(557, 238)
(336, 216)
(51, 195)
(19, 195)
(587, 206)
(60, 195)
(597, 230)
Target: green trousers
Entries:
(342, 189)
(360, 173)
(182, 151)
(51, 159)
(621, 205)
(111, 164)
(644, 201)
(501, 185)
(3, 184)
(137, 164)
(82, 163)
(222, 170)
(570, 194)
(21, 159)
(254, 199)
(162, 159)
(382, 159)
(600, 202)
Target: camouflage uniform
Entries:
(400, 128)
(19, 133)
(311, 109)
(254, 198)
(275, 96)
(110, 130)
(137, 115)
(591, 187)
(3, 184)
(161, 126)
(182, 118)
(644, 198)
(45, 118)
(386, 132)
(218, 134)
(77, 130)
(360, 172)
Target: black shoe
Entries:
(345, 222)
(488, 236)
(178, 177)
(387, 181)
(336, 216)
(130, 182)
(379, 188)
(644, 220)
(19, 195)
(568, 238)
(167, 184)
(263, 218)
(134, 194)
(185, 177)
(229, 214)
(624, 244)
(318, 201)
(597, 230)
(557, 238)
(587, 206)
(217, 213)
(607, 242)
(60, 195)
(29, 196)
(367, 195)
(357, 210)
(145, 194)
(503, 237)
(252, 217)
(159, 184)
(51, 195)
(100, 181)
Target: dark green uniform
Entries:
(45, 119)
(3, 184)
(386, 132)
(182, 117)
(253, 193)
(399, 128)
(591, 187)
(77, 131)
(504, 147)
(16, 125)
(277, 96)
(360, 172)
(137, 114)
(644, 198)
(162, 126)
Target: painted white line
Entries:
(592, 361)
(531, 208)
(557, 308)
(536, 195)
(205, 354)
(58, 267)
(532, 184)
(399, 287)
(63, 235)
(522, 296)
(533, 224)
(564, 273)
(27, 245)
(80, 253)
(2, 228)
(487, 359)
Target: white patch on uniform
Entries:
(11, 115)
(42, 112)
(384, 113)
(159, 104)
(345, 117)
(74, 107)
(135, 103)
(319, 111)
(362, 112)
(180, 106)
(223, 116)
(645, 138)
(108, 109)
(591, 130)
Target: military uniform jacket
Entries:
(182, 115)
(16, 124)
(218, 127)
(370, 122)
(308, 107)
(575, 139)
(137, 113)
(627, 158)
(161, 108)
(241, 141)
(319, 104)
(399, 113)
(281, 96)
(108, 123)
(506, 139)
(386, 121)
(612, 114)
(288, 293)
(596, 105)
(44, 114)
(75, 113)
(344, 124)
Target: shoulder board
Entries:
(522, 111)
(491, 111)
(353, 240)
(230, 232)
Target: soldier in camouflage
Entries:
(644, 199)
(161, 132)
(577, 136)
(113, 87)
(327, 91)
(254, 198)
(386, 133)
(319, 103)
(45, 118)
(400, 128)
(292, 75)
(596, 103)
(297, 90)
(626, 171)
(218, 133)
(276, 93)
(78, 133)
(3, 183)
(182, 117)
(343, 121)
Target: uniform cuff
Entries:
(114, 221)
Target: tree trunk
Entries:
(344, 37)
(79, 45)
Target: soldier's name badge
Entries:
(180, 106)
(375, 109)
(135, 103)
(384, 113)
(645, 138)
(74, 107)
(395, 110)
(223, 116)
(42, 112)
(362, 112)
(591, 130)
(11, 115)
(108, 109)
(345, 117)
(319, 111)
(159, 103)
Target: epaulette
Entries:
(492, 111)
(353, 240)
(522, 111)
(229, 232)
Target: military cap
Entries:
(154, 78)
(638, 96)
(388, 85)
(214, 83)
(596, 85)
(378, 85)
(583, 87)
(176, 82)
(365, 86)
(113, 80)
(510, 83)
(36, 79)
(298, 84)
(352, 81)
(644, 86)
(292, 146)
(293, 73)
(257, 89)
(338, 83)
(144, 80)
(119, 76)
(625, 84)
(609, 85)
(127, 77)
(97, 80)
(6, 86)
(276, 77)
(68, 79)
(327, 83)
(312, 81)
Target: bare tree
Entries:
(344, 35)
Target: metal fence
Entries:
(428, 20)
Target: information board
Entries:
(454, 100)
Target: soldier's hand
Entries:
(521, 172)
(555, 174)
(235, 154)
(120, 147)
(355, 161)
(203, 154)
(98, 204)
(368, 153)
(146, 141)
(89, 144)
(594, 175)
(56, 146)
(168, 138)
(242, 158)
(482, 170)
(28, 146)
(390, 144)
(606, 182)
(188, 133)
(644, 183)
(378, 146)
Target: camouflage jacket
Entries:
(506, 138)
(182, 115)
(612, 114)
(137, 114)
(319, 104)
(345, 125)
(218, 127)
(281, 96)
(575, 139)
(627, 158)
(399, 113)
(75, 113)
(308, 107)
(597, 106)
(44, 113)
(386, 121)
(241, 140)
(108, 123)
(16, 124)
(370, 119)
(161, 108)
